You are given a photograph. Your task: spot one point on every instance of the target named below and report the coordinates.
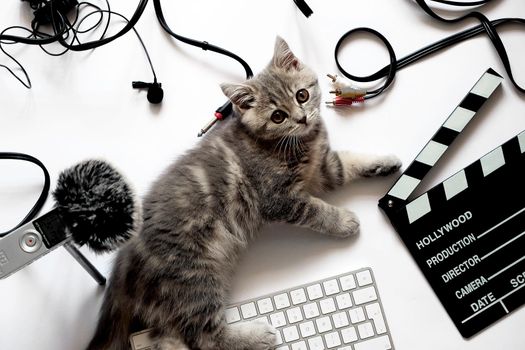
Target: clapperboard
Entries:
(467, 234)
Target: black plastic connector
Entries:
(303, 6)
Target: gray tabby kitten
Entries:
(262, 165)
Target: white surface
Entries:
(82, 106)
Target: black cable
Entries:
(71, 26)
(45, 190)
(103, 41)
(388, 72)
(303, 6)
(392, 67)
(62, 30)
(109, 12)
(201, 44)
(226, 108)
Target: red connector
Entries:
(221, 113)
(341, 101)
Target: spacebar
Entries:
(380, 343)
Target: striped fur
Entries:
(201, 213)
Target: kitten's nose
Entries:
(302, 120)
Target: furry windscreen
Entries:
(97, 205)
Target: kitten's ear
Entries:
(241, 95)
(283, 57)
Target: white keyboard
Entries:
(342, 312)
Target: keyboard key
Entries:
(298, 296)
(299, 346)
(278, 320)
(281, 301)
(343, 301)
(364, 295)
(331, 287)
(248, 310)
(347, 282)
(365, 330)
(315, 291)
(374, 312)
(323, 324)
(357, 315)
(380, 343)
(316, 343)
(307, 329)
(311, 310)
(327, 305)
(340, 319)
(345, 348)
(349, 335)
(290, 333)
(265, 305)
(262, 319)
(232, 315)
(332, 340)
(294, 315)
(364, 278)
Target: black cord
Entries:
(303, 6)
(391, 68)
(45, 190)
(64, 30)
(105, 40)
(109, 12)
(201, 44)
(388, 72)
(226, 108)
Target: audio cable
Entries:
(348, 95)
(224, 110)
(54, 13)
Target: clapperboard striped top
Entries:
(463, 179)
(442, 139)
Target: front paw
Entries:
(348, 225)
(262, 335)
(383, 166)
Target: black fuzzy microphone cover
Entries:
(97, 205)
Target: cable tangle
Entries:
(61, 21)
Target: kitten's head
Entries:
(282, 100)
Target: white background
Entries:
(82, 106)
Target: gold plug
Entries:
(332, 77)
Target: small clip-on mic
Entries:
(155, 92)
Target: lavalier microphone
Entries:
(155, 92)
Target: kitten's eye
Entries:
(302, 96)
(278, 116)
